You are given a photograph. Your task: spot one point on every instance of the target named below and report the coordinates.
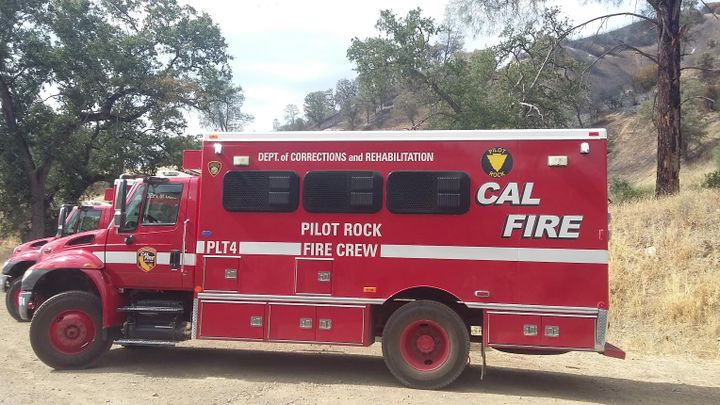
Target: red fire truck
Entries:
(429, 240)
(71, 220)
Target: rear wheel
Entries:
(425, 345)
(12, 299)
(66, 331)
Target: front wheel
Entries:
(425, 345)
(12, 299)
(66, 331)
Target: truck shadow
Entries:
(369, 370)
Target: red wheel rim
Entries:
(71, 331)
(16, 298)
(424, 345)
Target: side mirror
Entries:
(120, 197)
(62, 218)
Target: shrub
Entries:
(712, 180)
(621, 190)
(645, 78)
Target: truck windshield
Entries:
(132, 212)
(88, 220)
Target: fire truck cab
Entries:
(428, 239)
(72, 219)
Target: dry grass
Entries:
(7, 244)
(665, 274)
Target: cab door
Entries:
(145, 252)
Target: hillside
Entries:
(664, 284)
(612, 76)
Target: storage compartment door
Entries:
(232, 320)
(517, 330)
(341, 324)
(313, 276)
(565, 331)
(292, 322)
(220, 274)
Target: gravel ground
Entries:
(219, 373)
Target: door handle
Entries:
(129, 239)
(174, 259)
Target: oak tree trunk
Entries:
(38, 209)
(668, 97)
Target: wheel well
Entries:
(19, 268)
(382, 313)
(61, 280)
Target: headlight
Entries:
(17, 250)
(47, 250)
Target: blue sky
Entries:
(284, 49)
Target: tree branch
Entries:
(640, 52)
(700, 69)
(642, 17)
(699, 98)
(710, 9)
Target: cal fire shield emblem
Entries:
(497, 162)
(214, 167)
(146, 259)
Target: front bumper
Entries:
(24, 303)
(7, 266)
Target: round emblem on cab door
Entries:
(146, 259)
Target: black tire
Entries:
(423, 316)
(55, 320)
(11, 299)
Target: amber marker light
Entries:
(369, 289)
(198, 289)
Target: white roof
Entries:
(379, 136)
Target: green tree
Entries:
(319, 106)
(293, 121)
(477, 90)
(292, 113)
(346, 99)
(403, 53)
(91, 87)
(539, 77)
(671, 26)
(221, 104)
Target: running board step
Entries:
(143, 342)
(150, 309)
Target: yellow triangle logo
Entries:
(497, 160)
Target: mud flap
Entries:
(613, 351)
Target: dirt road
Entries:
(220, 373)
